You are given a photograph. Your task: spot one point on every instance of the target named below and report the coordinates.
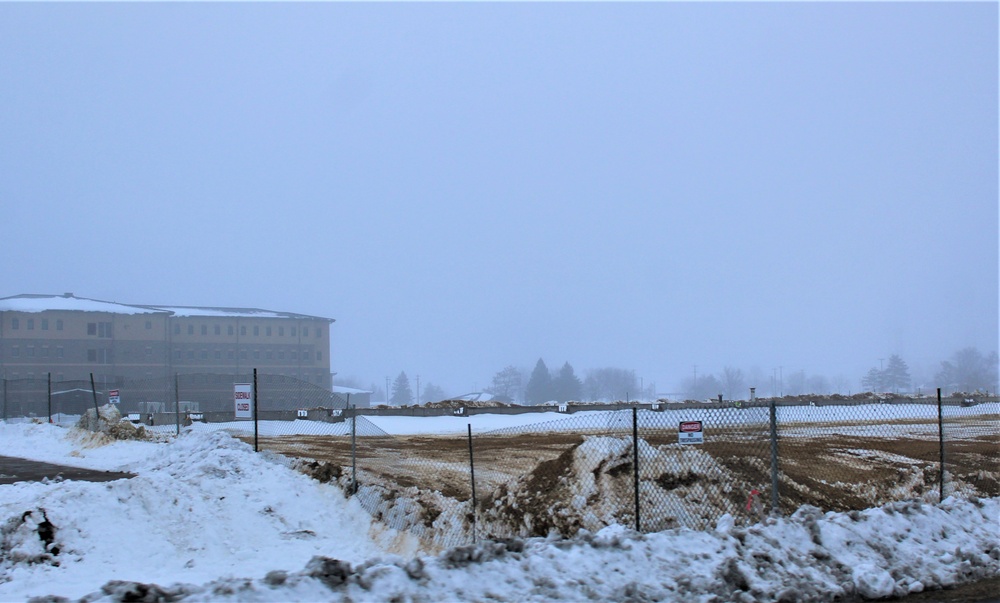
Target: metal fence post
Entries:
(775, 508)
(354, 448)
(256, 447)
(635, 464)
(177, 401)
(5, 399)
(940, 446)
(93, 391)
(50, 396)
(472, 477)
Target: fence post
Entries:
(93, 391)
(354, 448)
(177, 401)
(5, 399)
(256, 447)
(635, 464)
(940, 446)
(50, 396)
(472, 474)
(775, 508)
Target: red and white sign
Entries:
(113, 397)
(243, 400)
(691, 432)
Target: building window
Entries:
(319, 333)
(149, 324)
(60, 352)
(305, 331)
(203, 355)
(218, 330)
(293, 331)
(256, 355)
(305, 355)
(190, 329)
(319, 355)
(91, 328)
(204, 329)
(190, 354)
(229, 329)
(281, 355)
(268, 331)
(177, 329)
(45, 351)
(268, 355)
(281, 331)
(15, 324)
(104, 329)
(45, 324)
(59, 324)
(31, 351)
(294, 355)
(91, 355)
(256, 331)
(177, 354)
(149, 351)
(31, 324)
(15, 351)
(243, 355)
(230, 355)
(218, 354)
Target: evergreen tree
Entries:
(969, 370)
(433, 393)
(874, 381)
(896, 375)
(566, 386)
(401, 392)
(539, 388)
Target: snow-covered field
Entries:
(207, 519)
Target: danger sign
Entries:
(114, 397)
(243, 399)
(691, 432)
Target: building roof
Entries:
(30, 302)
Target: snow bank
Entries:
(893, 550)
(201, 507)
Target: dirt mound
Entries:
(591, 486)
(108, 422)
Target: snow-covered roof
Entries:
(191, 311)
(41, 303)
(348, 390)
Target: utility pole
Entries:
(418, 390)
(387, 391)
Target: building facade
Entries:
(71, 338)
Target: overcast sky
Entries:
(463, 187)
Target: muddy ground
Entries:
(817, 465)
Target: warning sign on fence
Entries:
(243, 399)
(691, 432)
(114, 397)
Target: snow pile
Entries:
(201, 507)
(890, 551)
(108, 422)
(591, 486)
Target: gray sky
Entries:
(462, 187)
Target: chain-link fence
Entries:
(652, 468)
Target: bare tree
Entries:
(733, 383)
(506, 385)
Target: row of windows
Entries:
(245, 355)
(29, 324)
(43, 351)
(231, 330)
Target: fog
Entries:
(663, 188)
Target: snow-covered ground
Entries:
(207, 519)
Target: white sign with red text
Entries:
(243, 399)
(691, 432)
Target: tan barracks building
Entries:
(72, 337)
